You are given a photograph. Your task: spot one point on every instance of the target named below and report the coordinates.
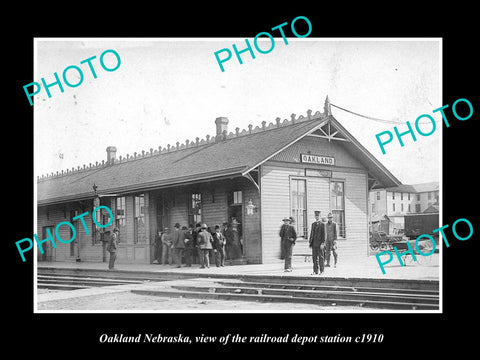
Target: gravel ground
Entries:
(129, 301)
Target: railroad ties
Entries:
(324, 291)
(77, 282)
(76, 279)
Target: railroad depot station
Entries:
(250, 179)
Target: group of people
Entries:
(322, 240)
(194, 245)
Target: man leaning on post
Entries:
(112, 248)
(317, 243)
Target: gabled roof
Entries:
(426, 187)
(377, 217)
(416, 188)
(234, 155)
(431, 209)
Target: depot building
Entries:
(251, 178)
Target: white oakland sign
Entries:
(316, 159)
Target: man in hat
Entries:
(331, 239)
(178, 244)
(112, 248)
(167, 246)
(283, 229)
(205, 241)
(288, 236)
(189, 245)
(228, 235)
(197, 252)
(158, 248)
(219, 246)
(317, 243)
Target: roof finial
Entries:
(327, 111)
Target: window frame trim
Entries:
(304, 178)
(344, 182)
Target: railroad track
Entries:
(76, 282)
(357, 292)
(326, 295)
(74, 279)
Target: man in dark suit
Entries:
(219, 246)
(112, 248)
(178, 244)
(288, 236)
(282, 234)
(317, 243)
(189, 245)
(205, 241)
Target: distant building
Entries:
(395, 202)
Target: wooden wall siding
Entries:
(318, 146)
(276, 205)
(177, 207)
(275, 185)
(356, 214)
(252, 237)
(55, 216)
(214, 211)
(128, 237)
(152, 224)
(59, 213)
(214, 202)
(318, 197)
(275, 194)
(128, 251)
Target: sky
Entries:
(170, 89)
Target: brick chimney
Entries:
(111, 153)
(222, 127)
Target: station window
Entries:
(378, 195)
(195, 208)
(140, 229)
(234, 198)
(101, 217)
(337, 203)
(298, 201)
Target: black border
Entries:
(409, 334)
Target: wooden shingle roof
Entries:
(232, 155)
